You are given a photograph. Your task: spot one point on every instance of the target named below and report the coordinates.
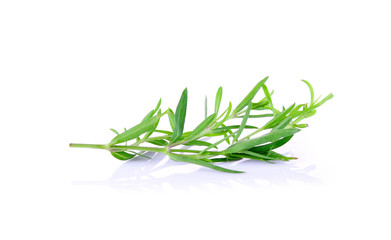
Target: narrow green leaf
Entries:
(157, 106)
(270, 146)
(234, 127)
(269, 156)
(269, 137)
(296, 111)
(244, 121)
(114, 131)
(201, 162)
(136, 131)
(198, 143)
(219, 95)
(258, 116)
(148, 116)
(171, 118)
(268, 97)
(226, 159)
(180, 115)
(217, 143)
(163, 131)
(122, 155)
(197, 132)
(250, 96)
(227, 115)
(159, 142)
(313, 107)
(311, 90)
(303, 125)
(325, 99)
(215, 134)
(247, 156)
(278, 118)
(257, 156)
(283, 123)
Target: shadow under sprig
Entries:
(160, 174)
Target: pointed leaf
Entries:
(250, 96)
(200, 128)
(226, 110)
(227, 115)
(325, 99)
(269, 137)
(217, 143)
(278, 118)
(283, 123)
(122, 155)
(180, 115)
(114, 131)
(163, 131)
(311, 90)
(270, 146)
(258, 116)
(159, 142)
(157, 106)
(244, 121)
(171, 118)
(198, 143)
(136, 131)
(148, 116)
(226, 159)
(219, 95)
(268, 97)
(234, 127)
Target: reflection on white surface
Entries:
(160, 173)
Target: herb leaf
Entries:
(122, 155)
(200, 128)
(269, 137)
(250, 96)
(219, 95)
(180, 115)
(136, 131)
(244, 121)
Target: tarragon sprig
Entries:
(277, 131)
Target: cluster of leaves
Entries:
(278, 130)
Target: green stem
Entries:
(116, 147)
(151, 149)
(83, 145)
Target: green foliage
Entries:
(279, 128)
(180, 115)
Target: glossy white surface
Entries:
(71, 70)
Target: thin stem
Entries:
(151, 149)
(83, 145)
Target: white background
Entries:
(70, 70)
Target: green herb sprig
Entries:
(259, 144)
